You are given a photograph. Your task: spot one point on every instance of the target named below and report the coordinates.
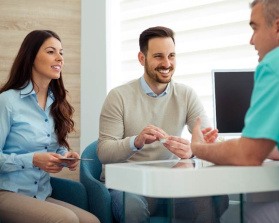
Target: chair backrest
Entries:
(99, 196)
(95, 166)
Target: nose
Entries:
(166, 62)
(59, 57)
(252, 40)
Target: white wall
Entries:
(93, 68)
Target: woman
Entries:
(35, 121)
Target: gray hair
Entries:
(270, 9)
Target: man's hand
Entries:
(197, 135)
(149, 135)
(210, 135)
(179, 146)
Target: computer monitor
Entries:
(232, 91)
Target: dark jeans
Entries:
(139, 209)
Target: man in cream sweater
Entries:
(143, 120)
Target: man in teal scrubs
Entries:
(260, 135)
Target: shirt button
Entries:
(45, 147)
(22, 167)
(48, 135)
(35, 196)
(46, 120)
(35, 182)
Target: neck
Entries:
(41, 92)
(155, 86)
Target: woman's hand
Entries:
(49, 162)
(72, 164)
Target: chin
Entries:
(164, 81)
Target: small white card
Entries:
(73, 158)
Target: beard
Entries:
(153, 73)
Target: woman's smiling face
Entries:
(49, 60)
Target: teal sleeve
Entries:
(262, 119)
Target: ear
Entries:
(141, 58)
(277, 28)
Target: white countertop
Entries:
(198, 178)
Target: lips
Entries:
(164, 71)
(56, 67)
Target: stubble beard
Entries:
(155, 77)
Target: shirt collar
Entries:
(29, 90)
(147, 90)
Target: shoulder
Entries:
(9, 96)
(268, 68)
(182, 90)
(127, 89)
(270, 62)
(8, 99)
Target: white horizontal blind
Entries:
(210, 34)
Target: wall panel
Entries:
(18, 18)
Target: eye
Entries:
(253, 26)
(50, 51)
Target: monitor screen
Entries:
(232, 91)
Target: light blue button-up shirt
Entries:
(147, 90)
(25, 129)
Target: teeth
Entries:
(56, 67)
(164, 71)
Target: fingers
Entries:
(72, 164)
(149, 135)
(176, 141)
(52, 162)
(210, 135)
(197, 124)
(53, 168)
(72, 155)
(179, 146)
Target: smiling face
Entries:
(264, 38)
(159, 61)
(48, 62)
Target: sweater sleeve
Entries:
(112, 147)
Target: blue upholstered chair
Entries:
(90, 172)
(70, 191)
(89, 176)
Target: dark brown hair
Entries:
(21, 75)
(153, 32)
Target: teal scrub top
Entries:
(262, 118)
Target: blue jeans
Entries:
(138, 209)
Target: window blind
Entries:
(210, 34)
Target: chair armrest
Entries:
(69, 191)
(98, 196)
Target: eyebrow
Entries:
(53, 48)
(154, 54)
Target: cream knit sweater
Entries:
(127, 110)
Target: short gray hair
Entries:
(270, 9)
